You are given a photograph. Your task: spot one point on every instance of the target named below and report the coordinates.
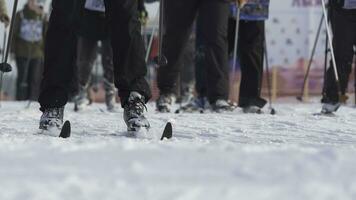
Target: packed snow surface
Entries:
(292, 155)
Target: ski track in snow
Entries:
(292, 155)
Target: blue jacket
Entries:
(254, 10)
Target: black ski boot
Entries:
(254, 106)
(133, 112)
(196, 104)
(330, 108)
(165, 102)
(52, 118)
(222, 105)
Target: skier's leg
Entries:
(60, 50)
(86, 54)
(179, 18)
(129, 61)
(128, 49)
(108, 67)
(21, 91)
(35, 71)
(214, 16)
(200, 71)
(251, 38)
(343, 40)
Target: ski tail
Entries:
(66, 130)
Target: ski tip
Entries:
(66, 130)
(168, 131)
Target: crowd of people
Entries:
(59, 52)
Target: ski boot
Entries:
(133, 112)
(330, 108)
(81, 100)
(196, 104)
(52, 118)
(254, 106)
(222, 105)
(165, 102)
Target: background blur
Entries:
(291, 32)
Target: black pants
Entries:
(87, 53)
(250, 54)
(344, 30)
(60, 51)
(28, 78)
(179, 17)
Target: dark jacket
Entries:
(92, 24)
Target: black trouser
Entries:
(344, 31)
(179, 17)
(250, 54)
(29, 72)
(60, 50)
(87, 53)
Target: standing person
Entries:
(128, 55)
(28, 46)
(250, 52)
(4, 18)
(177, 30)
(93, 28)
(343, 24)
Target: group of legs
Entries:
(129, 67)
(128, 59)
(215, 37)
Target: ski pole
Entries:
(161, 60)
(148, 51)
(2, 60)
(4, 66)
(329, 34)
(300, 97)
(236, 36)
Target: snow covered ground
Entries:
(293, 155)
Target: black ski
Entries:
(66, 130)
(167, 132)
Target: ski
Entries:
(66, 130)
(167, 132)
(331, 114)
(63, 132)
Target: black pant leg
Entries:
(35, 75)
(86, 55)
(200, 71)
(60, 51)
(343, 26)
(22, 78)
(128, 48)
(179, 18)
(214, 18)
(107, 61)
(251, 53)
